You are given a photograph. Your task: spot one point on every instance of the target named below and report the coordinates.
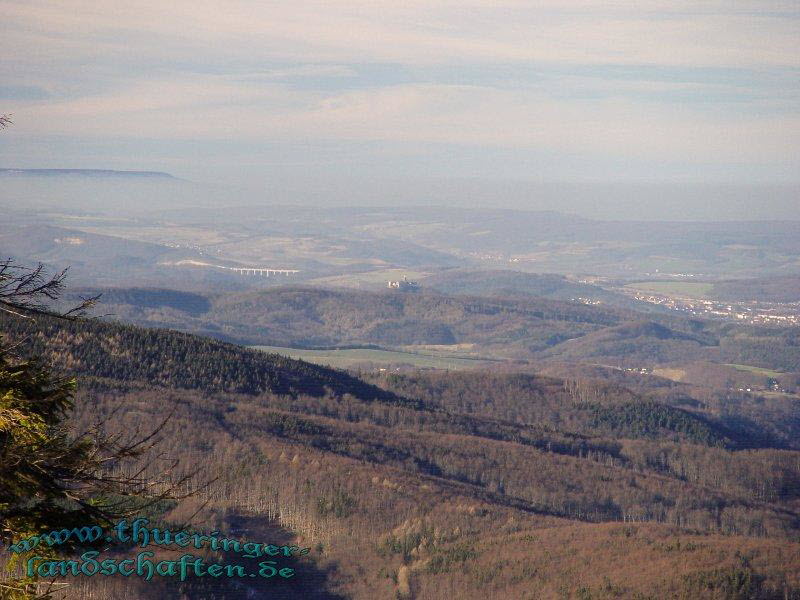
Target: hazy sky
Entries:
(675, 90)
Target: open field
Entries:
(350, 357)
(673, 374)
(465, 350)
(695, 289)
(755, 370)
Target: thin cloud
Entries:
(417, 33)
(712, 81)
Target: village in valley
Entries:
(755, 312)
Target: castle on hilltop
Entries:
(404, 285)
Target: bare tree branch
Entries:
(27, 291)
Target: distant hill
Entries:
(85, 173)
(62, 245)
(766, 289)
(634, 340)
(104, 193)
(498, 282)
(154, 298)
(312, 317)
(109, 260)
(520, 328)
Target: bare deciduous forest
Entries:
(428, 484)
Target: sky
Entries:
(260, 92)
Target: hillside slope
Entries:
(507, 283)
(521, 328)
(426, 485)
(174, 359)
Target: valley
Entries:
(537, 408)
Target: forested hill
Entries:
(173, 359)
(507, 283)
(170, 359)
(313, 317)
(767, 289)
(429, 484)
(506, 328)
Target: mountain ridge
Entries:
(87, 173)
